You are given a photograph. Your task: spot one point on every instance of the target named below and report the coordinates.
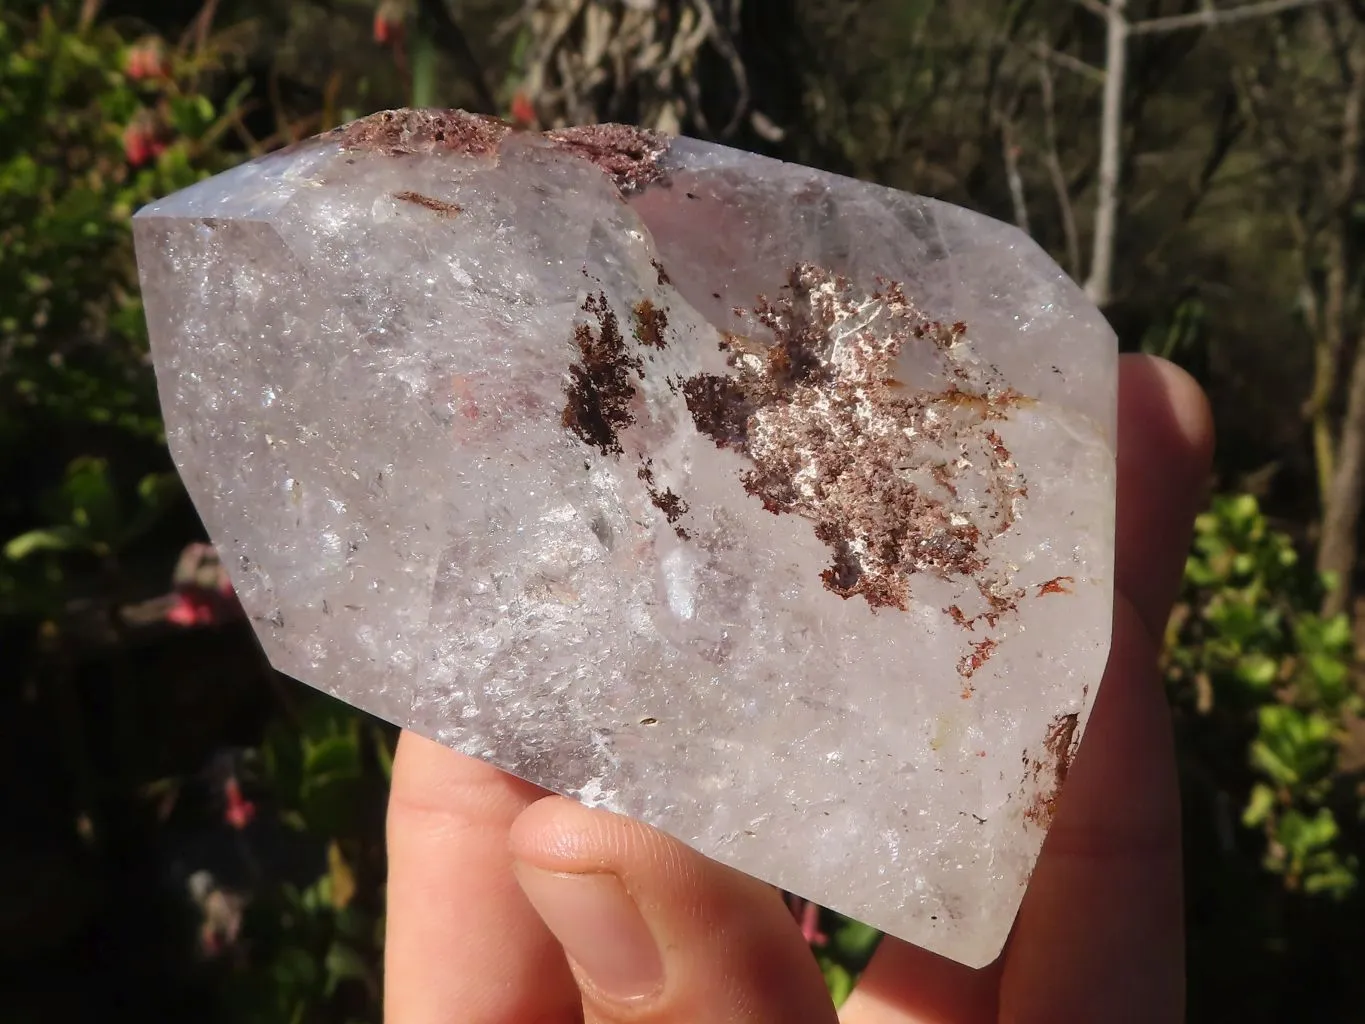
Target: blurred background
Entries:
(185, 835)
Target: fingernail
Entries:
(600, 928)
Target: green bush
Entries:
(1263, 692)
(1248, 651)
(91, 128)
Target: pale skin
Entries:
(511, 906)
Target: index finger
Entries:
(462, 941)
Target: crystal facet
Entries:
(770, 507)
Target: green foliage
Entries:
(87, 135)
(1250, 656)
(316, 946)
(843, 956)
(85, 516)
(88, 514)
(91, 127)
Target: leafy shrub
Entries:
(312, 943)
(1247, 650)
(91, 128)
(1263, 692)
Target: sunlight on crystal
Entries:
(770, 507)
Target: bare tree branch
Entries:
(90, 10)
(720, 39)
(1053, 161)
(1095, 7)
(1003, 116)
(1010, 150)
(1212, 16)
(1064, 60)
(1099, 282)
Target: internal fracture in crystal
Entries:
(769, 507)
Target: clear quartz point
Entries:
(769, 507)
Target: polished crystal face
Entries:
(769, 507)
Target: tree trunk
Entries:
(1337, 547)
(1329, 341)
(1341, 518)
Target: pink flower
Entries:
(239, 811)
(142, 140)
(807, 915)
(184, 612)
(203, 594)
(146, 60)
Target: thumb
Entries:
(655, 933)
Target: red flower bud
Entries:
(523, 111)
(807, 916)
(388, 29)
(137, 144)
(145, 60)
(182, 612)
(238, 811)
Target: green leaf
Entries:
(159, 489)
(88, 492)
(1302, 835)
(1260, 805)
(343, 963)
(190, 115)
(1241, 511)
(157, 493)
(331, 770)
(1257, 670)
(1332, 676)
(1336, 634)
(854, 940)
(332, 757)
(384, 752)
(839, 982)
(342, 877)
(55, 538)
(295, 969)
(1334, 878)
(1271, 763)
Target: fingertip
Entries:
(1163, 397)
(559, 834)
(1100, 933)
(727, 947)
(449, 877)
(1164, 458)
(1193, 411)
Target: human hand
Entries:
(488, 874)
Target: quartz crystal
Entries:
(766, 506)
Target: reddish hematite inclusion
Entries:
(629, 156)
(833, 437)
